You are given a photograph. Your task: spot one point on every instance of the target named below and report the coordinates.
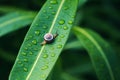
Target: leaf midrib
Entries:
(51, 28)
(99, 49)
(14, 20)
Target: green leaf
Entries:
(34, 62)
(104, 26)
(73, 45)
(82, 2)
(103, 57)
(15, 21)
(9, 9)
(66, 76)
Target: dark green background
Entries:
(102, 16)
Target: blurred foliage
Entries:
(102, 16)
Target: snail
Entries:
(49, 38)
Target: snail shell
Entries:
(48, 37)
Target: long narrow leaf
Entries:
(34, 62)
(10, 9)
(104, 59)
(15, 21)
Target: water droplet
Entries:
(53, 55)
(37, 32)
(70, 22)
(44, 67)
(65, 27)
(25, 69)
(23, 53)
(36, 24)
(29, 45)
(59, 40)
(34, 41)
(44, 27)
(44, 51)
(52, 48)
(26, 39)
(65, 8)
(29, 37)
(61, 22)
(43, 76)
(44, 11)
(47, 17)
(25, 60)
(45, 55)
(19, 62)
(26, 48)
(53, 13)
(59, 46)
(73, 16)
(60, 27)
(50, 7)
(62, 36)
(53, 60)
(53, 1)
(22, 64)
(47, 62)
(30, 53)
(35, 49)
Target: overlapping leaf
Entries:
(104, 59)
(15, 21)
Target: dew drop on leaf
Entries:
(19, 62)
(60, 27)
(59, 40)
(23, 53)
(53, 13)
(65, 8)
(44, 11)
(30, 53)
(45, 51)
(35, 49)
(53, 2)
(50, 7)
(30, 37)
(44, 27)
(53, 55)
(43, 76)
(29, 45)
(61, 22)
(47, 17)
(73, 16)
(22, 64)
(34, 41)
(70, 22)
(25, 60)
(53, 60)
(44, 67)
(52, 48)
(65, 27)
(45, 56)
(37, 32)
(59, 46)
(36, 24)
(62, 36)
(26, 48)
(25, 69)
